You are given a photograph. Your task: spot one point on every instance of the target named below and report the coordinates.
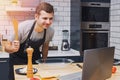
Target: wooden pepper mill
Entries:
(29, 65)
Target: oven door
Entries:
(94, 39)
(95, 12)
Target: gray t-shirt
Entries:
(24, 29)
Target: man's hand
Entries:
(15, 45)
(12, 47)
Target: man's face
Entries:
(44, 19)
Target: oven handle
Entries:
(95, 31)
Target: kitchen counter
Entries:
(4, 55)
(115, 76)
(51, 53)
(59, 53)
(71, 54)
(52, 72)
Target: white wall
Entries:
(115, 26)
(62, 17)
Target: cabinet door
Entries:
(4, 69)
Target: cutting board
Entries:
(63, 72)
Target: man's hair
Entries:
(45, 7)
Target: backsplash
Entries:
(115, 27)
(61, 21)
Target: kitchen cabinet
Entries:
(4, 66)
(75, 22)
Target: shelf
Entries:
(17, 8)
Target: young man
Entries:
(36, 33)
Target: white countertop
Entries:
(4, 55)
(59, 53)
(51, 53)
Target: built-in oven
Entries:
(94, 13)
(94, 39)
(95, 25)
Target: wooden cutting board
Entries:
(54, 72)
(58, 71)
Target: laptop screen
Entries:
(97, 63)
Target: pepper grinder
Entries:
(29, 65)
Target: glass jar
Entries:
(65, 34)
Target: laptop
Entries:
(97, 63)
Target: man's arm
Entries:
(45, 50)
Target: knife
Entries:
(79, 66)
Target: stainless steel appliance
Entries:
(65, 44)
(94, 39)
(95, 25)
(95, 15)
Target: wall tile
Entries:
(61, 21)
(115, 27)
